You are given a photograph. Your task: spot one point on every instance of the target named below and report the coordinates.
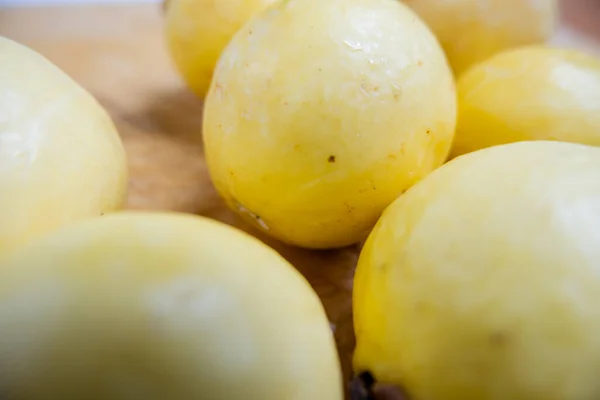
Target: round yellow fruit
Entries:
(473, 30)
(197, 31)
(61, 158)
(312, 127)
(483, 280)
(530, 93)
(137, 306)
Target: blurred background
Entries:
(19, 3)
(582, 14)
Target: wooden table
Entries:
(119, 54)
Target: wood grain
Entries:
(118, 53)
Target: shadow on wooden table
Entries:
(166, 161)
(176, 113)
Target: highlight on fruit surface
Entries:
(529, 93)
(482, 280)
(197, 31)
(61, 158)
(473, 30)
(311, 128)
(161, 306)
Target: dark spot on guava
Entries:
(361, 387)
(498, 339)
(331, 159)
(365, 387)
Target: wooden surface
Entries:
(119, 54)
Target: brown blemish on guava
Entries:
(383, 266)
(349, 208)
(331, 159)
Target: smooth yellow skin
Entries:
(136, 306)
(61, 158)
(312, 128)
(197, 31)
(530, 93)
(482, 282)
(473, 30)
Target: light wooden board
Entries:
(119, 54)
